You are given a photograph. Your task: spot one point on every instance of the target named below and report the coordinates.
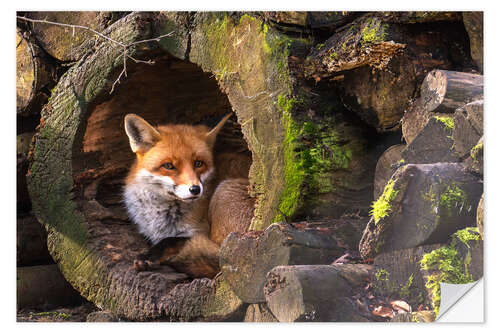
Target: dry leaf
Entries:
(383, 311)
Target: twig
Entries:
(125, 47)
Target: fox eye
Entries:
(198, 164)
(168, 166)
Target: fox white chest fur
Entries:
(154, 210)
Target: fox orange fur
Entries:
(170, 188)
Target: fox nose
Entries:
(195, 190)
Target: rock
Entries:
(459, 262)
(421, 204)
(468, 127)
(442, 91)
(44, 286)
(259, 313)
(31, 245)
(387, 164)
(473, 22)
(245, 258)
(309, 20)
(397, 275)
(311, 292)
(480, 216)
(101, 317)
(433, 144)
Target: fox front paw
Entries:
(144, 264)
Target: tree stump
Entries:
(306, 160)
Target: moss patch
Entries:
(452, 197)
(444, 265)
(382, 206)
(448, 122)
(476, 149)
(374, 32)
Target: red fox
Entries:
(169, 195)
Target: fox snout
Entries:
(188, 191)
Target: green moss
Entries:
(444, 265)
(448, 122)
(311, 152)
(468, 234)
(405, 290)
(382, 206)
(319, 46)
(334, 56)
(374, 32)
(382, 275)
(452, 197)
(476, 149)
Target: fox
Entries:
(176, 198)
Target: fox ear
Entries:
(212, 135)
(142, 136)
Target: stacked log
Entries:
(310, 116)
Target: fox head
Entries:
(174, 160)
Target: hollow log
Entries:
(311, 293)
(34, 75)
(441, 92)
(306, 161)
(246, 258)
(63, 42)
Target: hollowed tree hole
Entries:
(170, 91)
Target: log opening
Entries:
(171, 91)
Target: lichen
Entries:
(448, 122)
(382, 206)
(444, 265)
